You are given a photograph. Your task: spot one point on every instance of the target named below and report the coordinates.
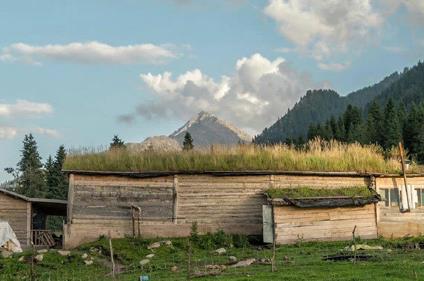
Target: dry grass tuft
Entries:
(316, 155)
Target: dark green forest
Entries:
(383, 114)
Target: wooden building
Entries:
(27, 216)
(290, 220)
(165, 204)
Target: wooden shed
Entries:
(27, 216)
(330, 218)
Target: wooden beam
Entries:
(402, 159)
(175, 198)
(70, 197)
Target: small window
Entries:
(390, 196)
(420, 197)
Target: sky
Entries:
(78, 72)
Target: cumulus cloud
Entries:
(46, 131)
(8, 132)
(257, 93)
(322, 28)
(24, 108)
(89, 53)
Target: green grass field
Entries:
(399, 260)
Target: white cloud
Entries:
(8, 132)
(47, 132)
(323, 28)
(89, 53)
(24, 108)
(333, 66)
(257, 93)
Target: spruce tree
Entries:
(413, 133)
(31, 179)
(391, 127)
(116, 143)
(56, 180)
(374, 125)
(188, 142)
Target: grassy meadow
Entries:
(317, 155)
(398, 260)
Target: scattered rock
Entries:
(64, 253)
(220, 251)
(88, 262)
(363, 247)
(167, 242)
(6, 254)
(220, 267)
(174, 268)
(263, 261)
(144, 262)
(232, 259)
(42, 251)
(150, 256)
(21, 259)
(153, 246)
(84, 256)
(39, 258)
(244, 263)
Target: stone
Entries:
(150, 256)
(43, 251)
(167, 242)
(6, 254)
(220, 251)
(144, 262)
(244, 263)
(174, 268)
(21, 259)
(153, 246)
(232, 259)
(219, 267)
(64, 253)
(39, 258)
(84, 256)
(363, 247)
(88, 262)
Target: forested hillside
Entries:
(397, 114)
(317, 106)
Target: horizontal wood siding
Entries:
(392, 222)
(14, 211)
(295, 224)
(111, 198)
(222, 201)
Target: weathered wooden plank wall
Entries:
(391, 221)
(323, 224)
(111, 198)
(170, 204)
(15, 212)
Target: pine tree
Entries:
(413, 133)
(374, 125)
(56, 180)
(31, 179)
(188, 142)
(116, 143)
(391, 127)
(352, 122)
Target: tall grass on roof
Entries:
(316, 155)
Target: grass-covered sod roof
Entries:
(315, 156)
(308, 192)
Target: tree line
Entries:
(384, 126)
(34, 179)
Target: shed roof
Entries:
(49, 206)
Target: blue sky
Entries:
(78, 72)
